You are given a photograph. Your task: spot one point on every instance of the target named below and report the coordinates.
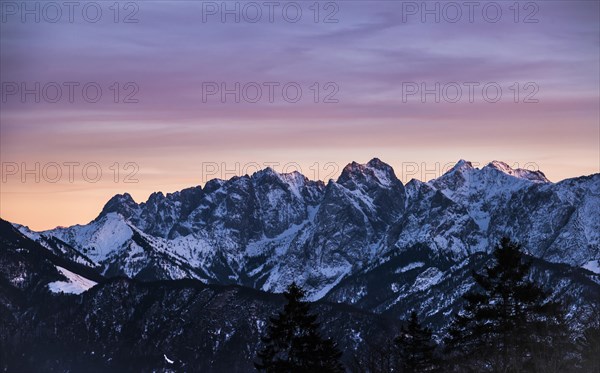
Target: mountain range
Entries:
(365, 241)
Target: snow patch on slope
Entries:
(410, 266)
(75, 284)
(592, 266)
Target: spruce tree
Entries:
(506, 320)
(416, 347)
(293, 343)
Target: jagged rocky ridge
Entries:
(268, 229)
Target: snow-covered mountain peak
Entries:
(121, 198)
(461, 166)
(273, 183)
(383, 171)
(534, 176)
(374, 171)
(501, 166)
(156, 197)
(294, 178)
(378, 164)
(99, 239)
(464, 175)
(457, 177)
(265, 172)
(352, 168)
(122, 204)
(213, 184)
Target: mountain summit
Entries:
(535, 176)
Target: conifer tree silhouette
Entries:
(292, 342)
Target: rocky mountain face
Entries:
(268, 229)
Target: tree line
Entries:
(507, 324)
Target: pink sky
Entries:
(367, 55)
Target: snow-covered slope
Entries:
(32, 269)
(75, 283)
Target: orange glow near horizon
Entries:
(45, 205)
(155, 114)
